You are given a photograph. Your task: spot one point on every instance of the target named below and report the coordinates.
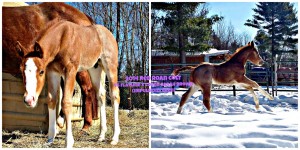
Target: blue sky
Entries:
(237, 13)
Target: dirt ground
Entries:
(134, 134)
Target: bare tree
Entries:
(226, 37)
(129, 22)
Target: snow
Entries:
(234, 123)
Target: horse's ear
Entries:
(252, 44)
(20, 49)
(38, 50)
(248, 44)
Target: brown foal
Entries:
(230, 72)
(24, 23)
(62, 50)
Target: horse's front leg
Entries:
(53, 79)
(265, 93)
(67, 104)
(249, 85)
(256, 101)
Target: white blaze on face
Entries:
(30, 74)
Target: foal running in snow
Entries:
(231, 72)
(62, 50)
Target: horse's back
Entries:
(202, 73)
(67, 12)
(107, 38)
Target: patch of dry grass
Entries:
(134, 134)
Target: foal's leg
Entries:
(61, 116)
(256, 101)
(186, 96)
(249, 85)
(111, 68)
(98, 80)
(67, 103)
(53, 87)
(206, 89)
(89, 98)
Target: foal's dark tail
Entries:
(177, 71)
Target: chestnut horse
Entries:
(62, 50)
(230, 72)
(24, 23)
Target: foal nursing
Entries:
(230, 72)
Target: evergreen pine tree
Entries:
(185, 29)
(278, 26)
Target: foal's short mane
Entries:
(238, 50)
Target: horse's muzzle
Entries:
(29, 101)
(261, 63)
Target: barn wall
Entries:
(16, 116)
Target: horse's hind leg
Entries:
(98, 80)
(90, 102)
(206, 89)
(110, 66)
(186, 96)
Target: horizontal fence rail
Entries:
(262, 76)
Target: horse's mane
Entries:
(237, 51)
(57, 6)
(40, 34)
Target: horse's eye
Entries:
(41, 72)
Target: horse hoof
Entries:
(257, 107)
(271, 98)
(60, 122)
(113, 142)
(69, 144)
(47, 144)
(84, 132)
(101, 139)
(50, 141)
(179, 110)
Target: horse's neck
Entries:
(50, 52)
(240, 58)
(51, 43)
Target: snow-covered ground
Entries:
(235, 123)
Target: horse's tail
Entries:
(177, 71)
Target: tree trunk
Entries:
(121, 51)
(180, 34)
